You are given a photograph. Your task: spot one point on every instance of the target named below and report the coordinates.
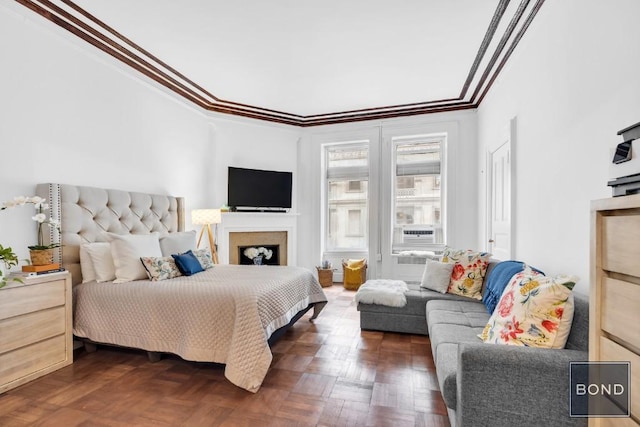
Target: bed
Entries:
(225, 314)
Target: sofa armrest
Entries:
(502, 385)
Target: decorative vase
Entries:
(41, 256)
(258, 260)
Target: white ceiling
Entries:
(307, 62)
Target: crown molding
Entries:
(69, 16)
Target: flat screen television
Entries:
(255, 189)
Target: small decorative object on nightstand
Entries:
(35, 320)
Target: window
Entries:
(406, 182)
(355, 186)
(417, 198)
(347, 179)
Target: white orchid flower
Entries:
(20, 200)
(36, 200)
(40, 217)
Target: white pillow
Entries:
(436, 276)
(86, 265)
(100, 255)
(178, 243)
(127, 249)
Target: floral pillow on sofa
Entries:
(534, 311)
(468, 272)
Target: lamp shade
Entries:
(206, 216)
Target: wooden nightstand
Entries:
(35, 329)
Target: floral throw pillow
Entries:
(468, 271)
(534, 311)
(160, 268)
(204, 257)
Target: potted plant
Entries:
(40, 254)
(8, 259)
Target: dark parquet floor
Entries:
(326, 373)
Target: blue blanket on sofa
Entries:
(498, 279)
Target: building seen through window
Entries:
(347, 179)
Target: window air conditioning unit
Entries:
(418, 235)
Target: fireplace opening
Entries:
(259, 255)
(241, 240)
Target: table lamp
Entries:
(206, 217)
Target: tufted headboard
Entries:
(86, 213)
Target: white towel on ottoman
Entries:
(383, 292)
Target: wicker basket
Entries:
(41, 256)
(352, 277)
(325, 276)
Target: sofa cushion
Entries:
(444, 333)
(475, 319)
(444, 345)
(462, 305)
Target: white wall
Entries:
(251, 144)
(71, 114)
(572, 84)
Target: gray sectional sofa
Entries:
(487, 384)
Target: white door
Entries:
(500, 244)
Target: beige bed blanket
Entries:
(225, 315)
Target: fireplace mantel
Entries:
(233, 222)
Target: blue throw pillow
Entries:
(498, 279)
(187, 263)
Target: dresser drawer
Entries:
(610, 351)
(620, 310)
(19, 331)
(621, 244)
(618, 422)
(32, 358)
(29, 298)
